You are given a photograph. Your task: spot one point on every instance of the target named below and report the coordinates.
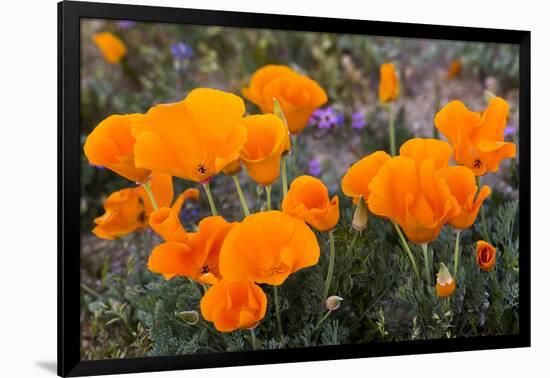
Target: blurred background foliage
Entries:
(128, 311)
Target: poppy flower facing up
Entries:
(388, 89)
(486, 255)
(262, 151)
(111, 47)
(128, 210)
(193, 139)
(267, 247)
(454, 69)
(477, 139)
(111, 145)
(462, 182)
(197, 257)
(355, 182)
(232, 305)
(309, 201)
(297, 94)
(421, 149)
(445, 285)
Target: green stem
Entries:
(284, 177)
(426, 263)
(457, 247)
(242, 198)
(253, 336)
(206, 187)
(268, 192)
(483, 218)
(408, 250)
(89, 290)
(352, 244)
(147, 187)
(392, 128)
(322, 319)
(278, 311)
(330, 271)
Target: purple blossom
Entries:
(126, 24)
(326, 118)
(314, 167)
(181, 51)
(509, 131)
(358, 120)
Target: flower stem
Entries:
(206, 187)
(253, 336)
(322, 319)
(278, 311)
(284, 178)
(483, 219)
(426, 263)
(352, 244)
(330, 271)
(392, 128)
(408, 250)
(147, 187)
(457, 247)
(268, 192)
(242, 198)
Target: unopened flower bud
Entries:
(445, 285)
(488, 95)
(189, 317)
(361, 216)
(333, 302)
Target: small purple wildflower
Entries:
(326, 118)
(358, 120)
(314, 167)
(126, 24)
(181, 51)
(509, 131)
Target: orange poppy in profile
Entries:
(445, 285)
(232, 305)
(309, 201)
(267, 247)
(110, 46)
(478, 140)
(193, 139)
(412, 195)
(262, 151)
(196, 258)
(388, 89)
(454, 69)
(355, 182)
(128, 210)
(486, 255)
(297, 94)
(111, 145)
(462, 182)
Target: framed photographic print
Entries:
(240, 188)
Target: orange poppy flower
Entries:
(454, 69)
(165, 221)
(462, 182)
(478, 140)
(111, 145)
(445, 285)
(308, 200)
(421, 149)
(232, 305)
(193, 139)
(110, 46)
(413, 196)
(232, 168)
(267, 247)
(388, 90)
(297, 94)
(266, 142)
(128, 210)
(196, 258)
(486, 255)
(355, 182)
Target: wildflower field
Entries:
(257, 189)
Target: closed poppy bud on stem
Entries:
(445, 285)
(486, 255)
(333, 302)
(361, 216)
(189, 317)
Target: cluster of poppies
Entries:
(208, 133)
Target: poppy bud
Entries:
(488, 96)
(333, 302)
(189, 317)
(486, 255)
(445, 285)
(361, 216)
(278, 111)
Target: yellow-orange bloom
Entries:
(128, 210)
(262, 151)
(110, 46)
(412, 195)
(462, 182)
(308, 200)
(388, 90)
(355, 182)
(454, 69)
(196, 258)
(297, 94)
(478, 140)
(421, 149)
(486, 255)
(111, 145)
(267, 247)
(445, 285)
(193, 139)
(232, 305)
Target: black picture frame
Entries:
(69, 15)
